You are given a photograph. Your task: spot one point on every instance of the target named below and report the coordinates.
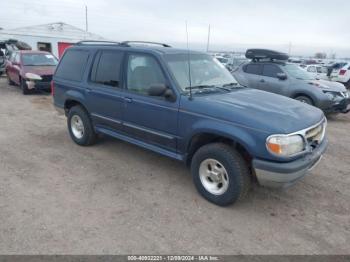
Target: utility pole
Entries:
(208, 39)
(86, 19)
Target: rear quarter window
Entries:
(72, 65)
(255, 69)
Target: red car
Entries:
(31, 70)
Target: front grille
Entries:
(315, 135)
(46, 78)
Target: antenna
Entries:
(189, 63)
(208, 39)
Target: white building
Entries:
(54, 37)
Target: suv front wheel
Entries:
(220, 174)
(80, 127)
(304, 99)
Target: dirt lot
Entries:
(115, 198)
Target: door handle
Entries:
(262, 81)
(88, 90)
(128, 99)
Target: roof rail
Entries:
(89, 42)
(127, 43)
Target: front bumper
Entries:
(43, 86)
(282, 175)
(341, 105)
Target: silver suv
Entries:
(287, 79)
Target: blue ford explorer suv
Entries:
(186, 105)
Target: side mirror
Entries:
(162, 90)
(157, 90)
(281, 76)
(169, 95)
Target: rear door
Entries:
(104, 90)
(149, 119)
(270, 82)
(253, 75)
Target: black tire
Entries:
(304, 99)
(347, 84)
(9, 81)
(24, 87)
(236, 168)
(89, 136)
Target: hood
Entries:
(330, 85)
(259, 110)
(39, 70)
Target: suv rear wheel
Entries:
(80, 126)
(220, 174)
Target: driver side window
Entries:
(143, 71)
(271, 71)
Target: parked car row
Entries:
(274, 74)
(186, 105)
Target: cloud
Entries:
(310, 26)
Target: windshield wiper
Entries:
(233, 84)
(199, 87)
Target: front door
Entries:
(152, 120)
(270, 82)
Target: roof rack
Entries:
(89, 42)
(127, 43)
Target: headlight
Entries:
(334, 95)
(33, 77)
(285, 145)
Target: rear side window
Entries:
(106, 69)
(72, 65)
(253, 69)
(271, 70)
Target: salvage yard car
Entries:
(31, 70)
(317, 71)
(269, 71)
(148, 95)
(342, 74)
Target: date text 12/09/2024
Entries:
(173, 258)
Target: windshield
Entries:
(205, 70)
(39, 60)
(298, 73)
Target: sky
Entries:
(303, 26)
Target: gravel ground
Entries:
(116, 198)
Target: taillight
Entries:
(52, 88)
(342, 72)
